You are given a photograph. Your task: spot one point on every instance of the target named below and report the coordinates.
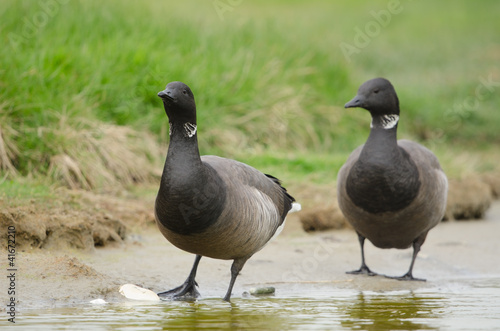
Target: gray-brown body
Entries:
(399, 229)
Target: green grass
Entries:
(23, 191)
(269, 78)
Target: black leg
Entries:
(235, 270)
(364, 268)
(409, 275)
(187, 290)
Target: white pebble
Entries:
(134, 292)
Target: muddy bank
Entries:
(81, 220)
(468, 198)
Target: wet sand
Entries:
(296, 263)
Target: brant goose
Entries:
(392, 192)
(212, 206)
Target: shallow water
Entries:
(460, 304)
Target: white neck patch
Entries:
(388, 121)
(190, 129)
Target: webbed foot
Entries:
(187, 291)
(362, 270)
(407, 277)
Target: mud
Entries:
(94, 220)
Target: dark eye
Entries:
(185, 92)
(376, 91)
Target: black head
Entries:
(178, 101)
(377, 96)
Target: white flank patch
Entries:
(295, 207)
(98, 302)
(278, 231)
(190, 129)
(389, 121)
(169, 129)
(134, 292)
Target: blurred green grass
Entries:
(269, 77)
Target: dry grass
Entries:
(79, 152)
(8, 149)
(286, 121)
(105, 156)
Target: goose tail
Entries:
(295, 207)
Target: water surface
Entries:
(460, 304)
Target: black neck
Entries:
(184, 145)
(381, 143)
(183, 167)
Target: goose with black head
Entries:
(391, 191)
(212, 206)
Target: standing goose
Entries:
(212, 206)
(392, 192)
